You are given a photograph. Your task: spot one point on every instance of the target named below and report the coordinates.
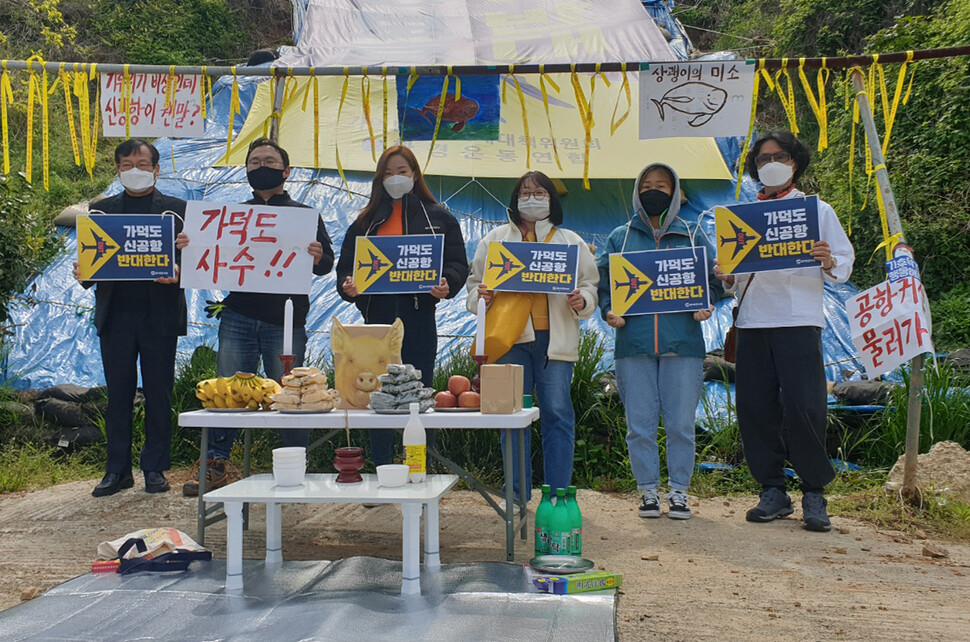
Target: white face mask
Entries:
(533, 209)
(775, 174)
(137, 180)
(398, 185)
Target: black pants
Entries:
(127, 339)
(781, 405)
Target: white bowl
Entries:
(392, 475)
(289, 475)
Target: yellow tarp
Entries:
(619, 155)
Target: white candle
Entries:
(288, 327)
(480, 329)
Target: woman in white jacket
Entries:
(548, 345)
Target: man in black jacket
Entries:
(251, 323)
(138, 321)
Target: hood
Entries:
(675, 200)
(543, 227)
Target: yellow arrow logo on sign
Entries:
(500, 265)
(627, 284)
(370, 264)
(94, 247)
(735, 239)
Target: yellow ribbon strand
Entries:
(95, 120)
(204, 82)
(545, 104)
(624, 90)
(586, 115)
(84, 112)
(365, 104)
(45, 130)
(437, 120)
(272, 102)
(821, 78)
(897, 94)
(413, 78)
(32, 89)
(457, 85)
(384, 107)
(336, 138)
(316, 114)
(889, 243)
(820, 116)
(171, 81)
(884, 224)
(852, 145)
(65, 80)
(6, 98)
(787, 101)
(761, 72)
(126, 101)
(234, 109)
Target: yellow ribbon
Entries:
(170, 83)
(126, 101)
(64, 77)
(437, 121)
(95, 119)
(234, 109)
(624, 89)
(816, 105)
(586, 115)
(852, 145)
(316, 114)
(31, 91)
(888, 242)
(272, 102)
(336, 138)
(754, 108)
(384, 113)
(6, 98)
(205, 87)
(891, 117)
(412, 78)
(84, 112)
(525, 119)
(545, 104)
(787, 102)
(365, 104)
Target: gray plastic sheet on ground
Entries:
(356, 598)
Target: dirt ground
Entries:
(714, 576)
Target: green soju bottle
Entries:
(560, 527)
(543, 517)
(576, 519)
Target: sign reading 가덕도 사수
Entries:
(151, 115)
(695, 98)
(125, 247)
(248, 248)
(514, 266)
(890, 324)
(406, 264)
(659, 281)
(766, 235)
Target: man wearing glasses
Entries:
(251, 323)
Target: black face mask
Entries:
(655, 202)
(265, 178)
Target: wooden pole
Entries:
(914, 409)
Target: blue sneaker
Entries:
(774, 503)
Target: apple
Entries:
(459, 384)
(469, 400)
(445, 399)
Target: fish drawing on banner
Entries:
(458, 112)
(697, 99)
(469, 113)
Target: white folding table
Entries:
(324, 489)
(366, 419)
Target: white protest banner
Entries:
(890, 324)
(248, 248)
(695, 98)
(150, 118)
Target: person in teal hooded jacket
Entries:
(659, 357)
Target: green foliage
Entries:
(25, 466)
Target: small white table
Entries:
(324, 489)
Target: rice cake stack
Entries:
(305, 390)
(401, 387)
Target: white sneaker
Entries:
(650, 504)
(677, 499)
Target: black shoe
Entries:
(814, 515)
(155, 482)
(111, 483)
(774, 503)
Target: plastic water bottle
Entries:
(576, 518)
(415, 447)
(543, 517)
(560, 527)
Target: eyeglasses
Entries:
(145, 166)
(778, 157)
(275, 163)
(538, 194)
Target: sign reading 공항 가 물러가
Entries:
(405, 264)
(125, 247)
(766, 235)
(248, 248)
(659, 281)
(513, 266)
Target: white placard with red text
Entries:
(890, 324)
(248, 248)
(150, 118)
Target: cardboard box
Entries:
(501, 387)
(368, 344)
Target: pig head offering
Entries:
(361, 354)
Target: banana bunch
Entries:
(242, 390)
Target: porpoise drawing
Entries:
(697, 99)
(458, 112)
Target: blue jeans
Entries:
(650, 387)
(551, 381)
(242, 341)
